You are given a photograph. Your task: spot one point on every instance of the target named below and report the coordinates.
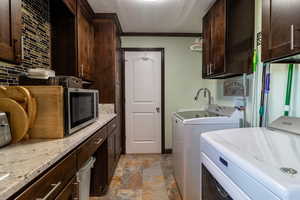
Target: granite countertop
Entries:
(21, 163)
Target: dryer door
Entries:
(211, 189)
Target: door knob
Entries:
(157, 109)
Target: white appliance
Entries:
(187, 128)
(255, 163)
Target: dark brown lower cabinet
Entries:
(111, 155)
(99, 179)
(70, 192)
(107, 158)
(59, 182)
(52, 182)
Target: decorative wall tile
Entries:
(9, 74)
(36, 33)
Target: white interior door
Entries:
(143, 101)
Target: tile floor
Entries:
(143, 177)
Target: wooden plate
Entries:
(18, 119)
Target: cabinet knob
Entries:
(158, 109)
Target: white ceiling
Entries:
(158, 16)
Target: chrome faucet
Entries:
(206, 91)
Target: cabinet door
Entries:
(70, 192)
(218, 37)
(85, 45)
(105, 59)
(53, 182)
(280, 29)
(118, 144)
(99, 178)
(206, 62)
(240, 36)
(10, 30)
(71, 4)
(111, 155)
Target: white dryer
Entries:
(188, 126)
(253, 163)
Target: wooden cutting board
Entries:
(49, 123)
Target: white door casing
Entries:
(143, 101)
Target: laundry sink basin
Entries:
(192, 114)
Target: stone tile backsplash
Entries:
(9, 74)
(36, 33)
(36, 36)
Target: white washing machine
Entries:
(188, 125)
(252, 163)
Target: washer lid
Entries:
(272, 158)
(288, 124)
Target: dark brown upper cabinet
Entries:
(72, 5)
(280, 30)
(85, 42)
(228, 39)
(63, 37)
(10, 31)
(107, 59)
(72, 38)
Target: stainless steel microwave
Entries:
(81, 108)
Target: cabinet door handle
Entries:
(54, 188)
(17, 53)
(207, 69)
(292, 36)
(22, 48)
(293, 30)
(76, 190)
(114, 126)
(99, 141)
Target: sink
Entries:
(196, 114)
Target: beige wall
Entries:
(183, 78)
(182, 74)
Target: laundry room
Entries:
(149, 100)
